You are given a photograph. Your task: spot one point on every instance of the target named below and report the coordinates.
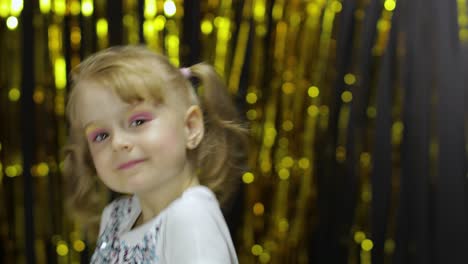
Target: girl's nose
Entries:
(121, 142)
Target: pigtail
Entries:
(222, 152)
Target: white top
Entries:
(191, 229)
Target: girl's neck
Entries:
(153, 203)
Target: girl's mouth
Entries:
(129, 164)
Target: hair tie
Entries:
(186, 72)
(194, 81)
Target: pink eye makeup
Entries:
(140, 118)
(96, 135)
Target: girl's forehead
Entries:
(128, 91)
(95, 103)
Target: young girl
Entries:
(138, 125)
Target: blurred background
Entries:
(357, 111)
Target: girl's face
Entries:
(137, 147)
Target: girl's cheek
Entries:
(95, 150)
(100, 161)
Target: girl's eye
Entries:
(100, 137)
(137, 122)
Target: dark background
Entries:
(357, 111)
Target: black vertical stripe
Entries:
(115, 16)
(382, 166)
(357, 120)
(141, 20)
(450, 196)
(414, 228)
(191, 47)
(27, 127)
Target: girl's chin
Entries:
(129, 188)
(136, 187)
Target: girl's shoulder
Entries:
(194, 201)
(195, 225)
(196, 208)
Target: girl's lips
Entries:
(129, 164)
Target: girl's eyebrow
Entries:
(138, 109)
(89, 127)
(129, 110)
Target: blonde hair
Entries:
(135, 73)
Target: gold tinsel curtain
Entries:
(357, 112)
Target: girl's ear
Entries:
(194, 126)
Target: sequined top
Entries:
(191, 229)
